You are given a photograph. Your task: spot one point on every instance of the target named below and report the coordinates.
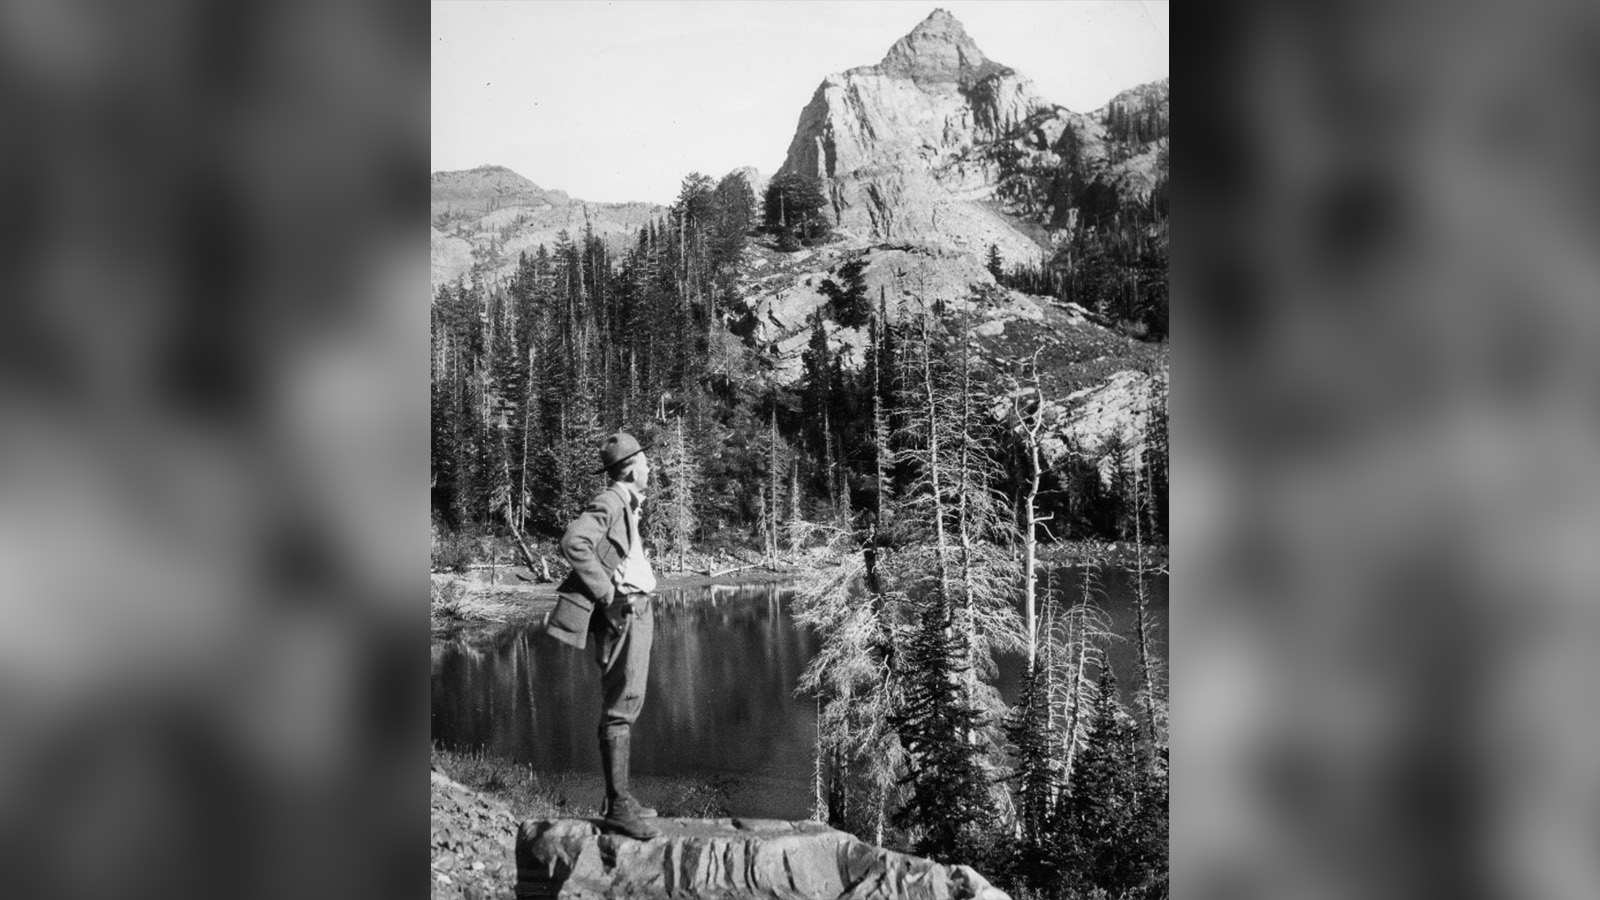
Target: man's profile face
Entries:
(641, 472)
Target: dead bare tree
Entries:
(1030, 424)
(1151, 691)
(1081, 636)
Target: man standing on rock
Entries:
(608, 595)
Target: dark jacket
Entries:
(595, 544)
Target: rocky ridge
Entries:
(490, 215)
(484, 189)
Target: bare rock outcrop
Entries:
(726, 859)
(938, 143)
(1114, 413)
(911, 279)
(879, 137)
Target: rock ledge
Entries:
(727, 859)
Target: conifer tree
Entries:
(1033, 743)
(950, 807)
(445, 413)
(1101, 825)
(797, 526)
(773, 489)
(734, 204)
(877, 380)
(695, 213)
(676, 495)
(849, 303)
(816, 387)
(1157, 459)
(952, 555)
(794, 204)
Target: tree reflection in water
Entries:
(721, 700)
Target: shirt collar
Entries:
(630, 493)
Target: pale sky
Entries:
(617, 101)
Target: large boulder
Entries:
(727, 859)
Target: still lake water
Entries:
(721, 699)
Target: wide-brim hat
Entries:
(616, 448)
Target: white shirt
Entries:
(634, 575)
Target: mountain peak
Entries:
(938, 51)
(940, 20)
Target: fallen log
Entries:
(522, 547)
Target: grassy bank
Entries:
(547, 795)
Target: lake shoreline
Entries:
(513, 596)
(506, 596)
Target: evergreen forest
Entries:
(922, 470)
(530, 372)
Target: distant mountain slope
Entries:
(485, 189)
(489, 215)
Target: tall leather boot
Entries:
(623, 814)
(647, 812)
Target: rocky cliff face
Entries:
(939, 143)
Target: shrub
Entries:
(445, 597)
(452, 551)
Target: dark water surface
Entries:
(721, 700)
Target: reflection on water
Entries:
(721, 699)
(721, 696)
(1113, 591)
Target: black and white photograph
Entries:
(799, 458)
(821, 492)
